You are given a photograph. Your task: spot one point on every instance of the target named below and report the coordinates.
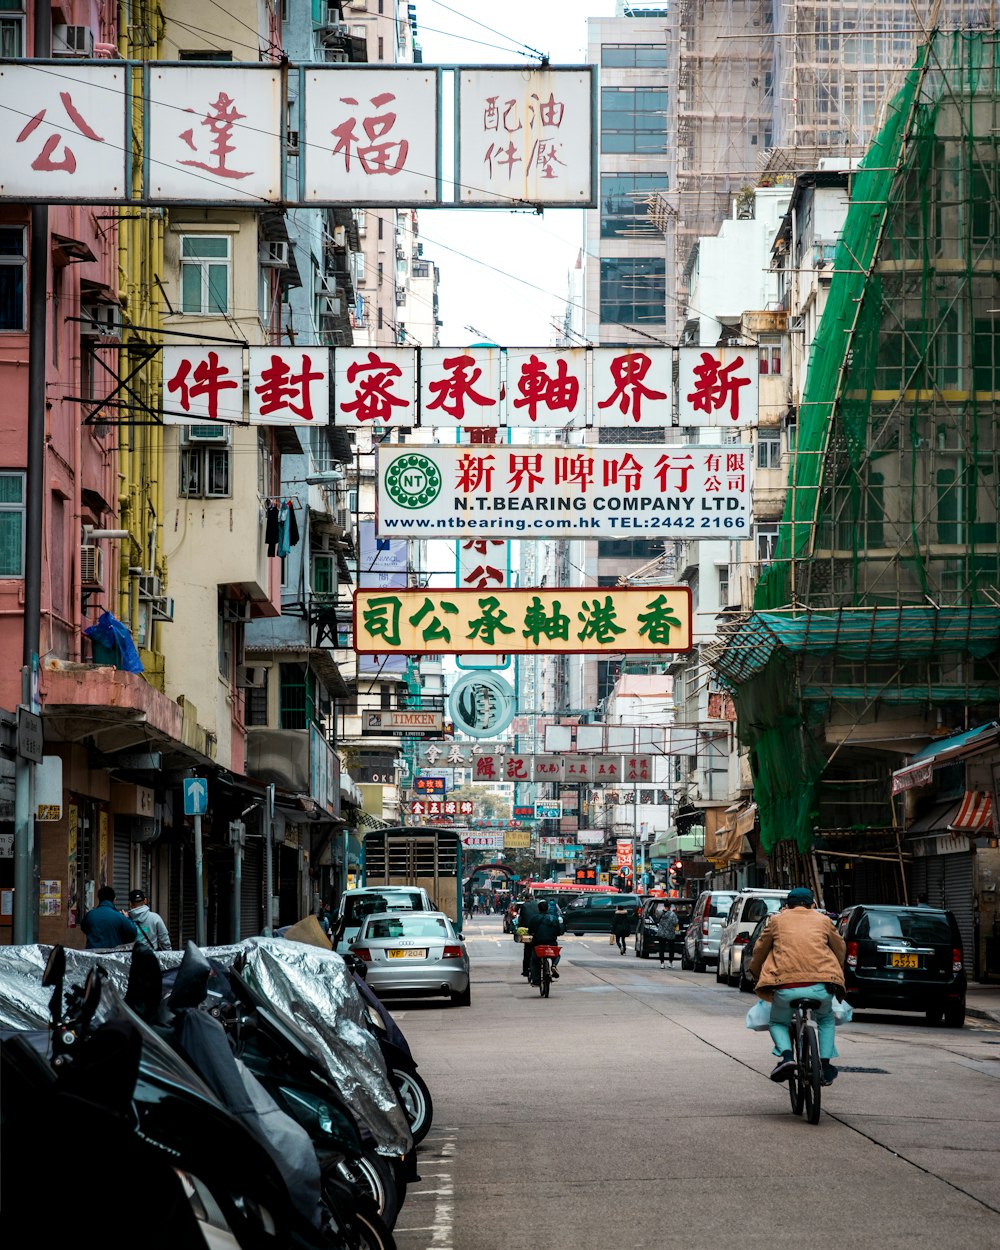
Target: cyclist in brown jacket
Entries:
(799, 955)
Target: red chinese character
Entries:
(208, 379)
(279, 387)
(376, 158)
(538, 387)
(510, 122)
(486, 768)
(43, 161)
(525, 470)
(716, 385)
(482, 575)
(479, 545)
(372, 399)
(483, 434)
(491, 114)
(628, 469)
(735, 461)
(550, 111)
(220, 119)
(458, 387)
(475, 472)
(681, 465)
(578, 469)
(628, 373)
(543, 157)
(504, 156)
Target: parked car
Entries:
(905, 959)
(592, 912)
(746, 983)
(646, 941)
(701, 942)
(746, 909)
(414, 952)
(355, 905)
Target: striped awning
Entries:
(975, 812)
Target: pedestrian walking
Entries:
(152, 931)
(105, 926)
(621, 926)
(667, 927)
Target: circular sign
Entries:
(481, 704)
(413, 481)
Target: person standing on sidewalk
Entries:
(667, 926)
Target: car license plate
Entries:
(904, 961)
(414, 954)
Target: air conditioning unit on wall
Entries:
(236, 611)
(75, 41)
(91, 567)
(273, 254)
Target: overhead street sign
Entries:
(403, 722)
(569, 620)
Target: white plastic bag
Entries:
(759, 1016)
(843, 1012)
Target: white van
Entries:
(355, 905)
(748, 907)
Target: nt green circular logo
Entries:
(413, 481)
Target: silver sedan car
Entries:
(414, 953)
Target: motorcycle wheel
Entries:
(367, 1180)
(416, 1099)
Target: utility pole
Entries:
(25, 926)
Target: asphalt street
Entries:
(633, 1108)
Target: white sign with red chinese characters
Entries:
(215, 133)
(441, 807)
(202, 384)
(374, 384)
(547, 388)
(631, 386)
(525, 135)
(690, 491)
(460, 386)
(372, 135)
(289, 386)
(483, 841)
(65, 129)
(718, 386)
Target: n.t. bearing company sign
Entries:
(688, 491)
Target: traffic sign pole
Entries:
(199, 887)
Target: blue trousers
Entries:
(781, 1015)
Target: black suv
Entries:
(646, 941)
(904, 959)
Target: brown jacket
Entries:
(798, 946)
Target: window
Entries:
(633, 119)
(292, 709)
(256, 703)
(723, 584)
(13, 268)
(766, 540)
(623, 204)
(205, 273)
(770, 358)
(634, 55)
(11, 524)
(633, 290)
(11, 28)
(768, 450)
(204, 470)
(324, 575)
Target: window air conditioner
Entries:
(273, 254)
(249, 677)
(163, 608)
(149, 587)
(292, 142)
(329, 303)
(91, 566)
(357, 4)
(76, 41)
(99, 321)
(236, 611)
(335, 55)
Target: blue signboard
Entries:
(195, 796)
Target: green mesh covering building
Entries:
(876, 627)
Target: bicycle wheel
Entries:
(811, 1071)
(544, 976)
(796, 1093)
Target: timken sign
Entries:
(404, 721)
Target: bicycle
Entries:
(804, 1083)
(545, 955)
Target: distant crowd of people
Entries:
(487, 902)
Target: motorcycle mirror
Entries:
(191, 984)
(144, 992)
(55, 967)
(91, 997)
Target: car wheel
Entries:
(575, 934)
(699, 964)
(719, 978)
(745, 984)
(685, 962)
(954, 1015)
(463, 999)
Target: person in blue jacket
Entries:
(105, 926)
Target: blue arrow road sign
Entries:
(195, 796)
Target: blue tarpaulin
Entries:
(113, 636)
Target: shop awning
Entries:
(975, 813)
(919, 769)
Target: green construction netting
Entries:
(888, 544)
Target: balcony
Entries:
(299, 760)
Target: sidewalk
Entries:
(982, 1002)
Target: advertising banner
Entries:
(402, 722)
(718, 386)
(440, 807)
(517, 839)
(576, 620)
(532, 492)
